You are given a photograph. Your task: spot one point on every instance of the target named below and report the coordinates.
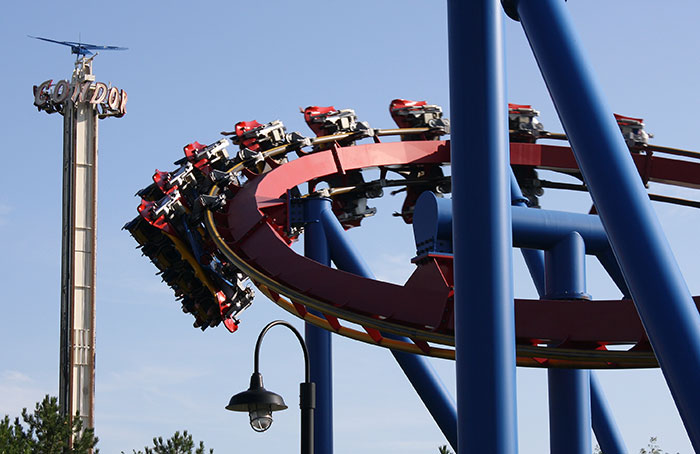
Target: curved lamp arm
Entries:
(301, 342)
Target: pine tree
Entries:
(45, 432)
(177, 444)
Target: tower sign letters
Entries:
(110, 101)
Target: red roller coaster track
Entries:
(251, 235)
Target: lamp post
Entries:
(260, 403)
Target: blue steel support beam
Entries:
(565, 269)
(660, 294)
(602, 420)
(432, 220)
(486, 395)
(418, 370)
(604, 426)
(534, 259)
(318, 340)
(569, 389)
(532, 229)
(569, 411)
(543, 229)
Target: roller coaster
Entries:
(221, 223)
(218, 221)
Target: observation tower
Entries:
(83, 102)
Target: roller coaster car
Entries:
(633, 131)
(169, 231)
(254, 139)
(159, 213)
(350, 207)
(181, 178)
(523, 123)
(419, 114)
(206, 158)
(526, 128)
(174, 270)
(258, 137)
(326, 121)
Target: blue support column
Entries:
(318, 340)
(418, 370)
(565, 269)
(606, 431)
(484, 314)
(569, 411)
(660, 294)
(569, 389)
(604, 425)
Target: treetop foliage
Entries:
(45, 432)
(177, 444)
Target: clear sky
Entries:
(193, 70)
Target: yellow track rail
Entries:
(530, 356)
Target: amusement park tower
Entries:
(81, 101)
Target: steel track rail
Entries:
(286, 298)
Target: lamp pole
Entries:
(260, 403)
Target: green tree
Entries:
(12, 440)
(444, 450)
(45, 432)
(177, 444)
(653, 447)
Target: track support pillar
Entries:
(569, 389)
(658, 289)
(604, 426)
(486, 394)
(318, 340)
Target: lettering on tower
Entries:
(110, 101)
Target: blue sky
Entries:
(192, 71)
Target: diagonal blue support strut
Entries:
(418, 370)
(660, 294)
(604, 427)
(534, 259)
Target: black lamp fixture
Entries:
(260, 403)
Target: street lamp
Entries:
(260, 403)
